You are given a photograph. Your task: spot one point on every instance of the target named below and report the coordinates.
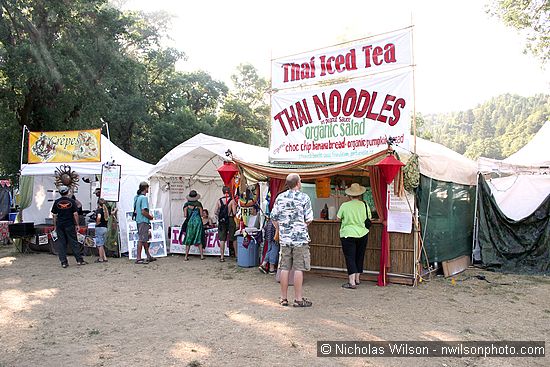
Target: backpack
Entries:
(134, 214)
(223, 216)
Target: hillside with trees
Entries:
(494, 129)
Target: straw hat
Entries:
(193, 195)
(355, 190)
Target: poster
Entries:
(341, 122)
(157, 240)
(212, 243)
(110, 182)
(65, 146)
(399, 211)
(375, 54)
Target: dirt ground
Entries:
(207, 313)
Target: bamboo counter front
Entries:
(326, 249)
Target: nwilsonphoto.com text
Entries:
(431, 349)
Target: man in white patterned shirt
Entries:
(291, 214)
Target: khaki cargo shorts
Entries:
(295, 258)
(143, 232)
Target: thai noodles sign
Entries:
(343, 121)
(369, 55)
(65, 146)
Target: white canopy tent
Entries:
(526, 181)
(133, 171)
(193, 165)
(441, 163)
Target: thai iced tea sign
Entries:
(367, 56)
(343, 121)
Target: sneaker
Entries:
(273, 272)
(64, 265)
(262, 269)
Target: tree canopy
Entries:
(529, 16)
(494, 129)
(67, 65)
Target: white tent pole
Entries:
(106, 124)
(22, 145)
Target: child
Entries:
(272, 254)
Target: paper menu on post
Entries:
(399, 211)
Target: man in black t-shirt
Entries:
(65, 223)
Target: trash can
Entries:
(247, 252)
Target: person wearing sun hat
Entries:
(353, 233)
(192, 213)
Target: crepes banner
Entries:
(341, 122)
(65, 146)
(367, 56)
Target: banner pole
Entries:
(106, 124)
(22, 146)
(416, 227)
(414, 84)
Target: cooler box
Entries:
(247, 257)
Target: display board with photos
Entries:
(157, 241)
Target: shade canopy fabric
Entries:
(435, 160)
(533, 158)
(525, 181)
(536, 152)
(203, 155)
(193, 165)
(441, 163)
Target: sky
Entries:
(463, 56)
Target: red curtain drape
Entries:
(379, 194)
(276, 186)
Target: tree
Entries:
(245, 112)
(530, 16)
(494, 129)
(67, 65)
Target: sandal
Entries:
(348, 286)
(186, 259)
(283, 302)
(99, 261)
(141, 262)
(303, 303)
(203, 258)
(83, 262)
(151, 259)
(222, 260)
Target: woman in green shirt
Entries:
(353, 233)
